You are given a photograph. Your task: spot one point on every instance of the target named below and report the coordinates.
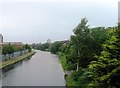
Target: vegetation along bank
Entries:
(91, 58)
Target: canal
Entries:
(42, 69)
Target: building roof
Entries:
(16, 43)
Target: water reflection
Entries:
(13, 66)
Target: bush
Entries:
(55, 47)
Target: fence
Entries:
(12, 55)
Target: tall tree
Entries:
(82, 42)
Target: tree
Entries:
(55, 47)
(26, 46)
(107, 68)
(100, 35)
(4, 50)
(7, 49)
(83, 43)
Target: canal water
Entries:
(42, 69)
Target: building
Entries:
(17, 44)
(64, 42)
(1, 38)
(1, 41)
(49, 41)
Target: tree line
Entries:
(11, 48)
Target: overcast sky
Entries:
(33, 21)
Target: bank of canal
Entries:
(13, 61)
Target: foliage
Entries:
(43, 47)
(100, 35)
(83, 43)
(63, 61)
(26, 46)
(55, 47)
(8, 49)
(97, 50)
(107, 67)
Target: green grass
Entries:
(63, 61)
(70, 81)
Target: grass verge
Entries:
(63, 61)
(12, 61)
